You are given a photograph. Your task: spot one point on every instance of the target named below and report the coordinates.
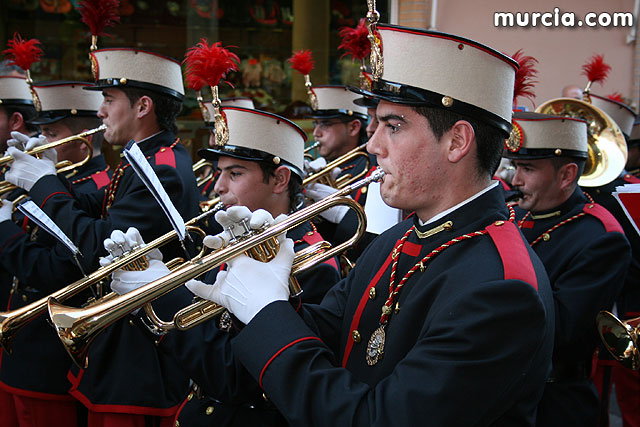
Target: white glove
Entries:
(316, 192)
(121, 243)
(124, 281)
(6, 210)
(249, 285)
(24, 142)
(315, 165)
(231, 221)
(26, 170)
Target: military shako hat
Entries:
(541, 136)
(14, 90)
(438, 70)
(124, 67)
(62, 99)
(337, 102)
(261, 136)
(622, 114)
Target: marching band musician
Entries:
(582, 247)
(436, 307)
(34, 375)
(609, 371)
(255, 173)
(126, 382)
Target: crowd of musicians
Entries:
(469, 298)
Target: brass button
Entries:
(372, 293)
(363, 190)
(190, 396)
(355, 335)
(123, 81)
(498, 223)
(589, 206)
(131, 323)
(24, 297)
(386, 309)
(177, 423)
(558, 152)
(276, 160)
(396, 310)
(447, 101)
(546, 237)
(209, 410)
(74, 111)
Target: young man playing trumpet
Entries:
(435, 308)
(253, 174)
(34, 375)
(142, 96)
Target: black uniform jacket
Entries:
(470, 344)
(237, 406)
(126, 373)
(38, 364)
(586, 256)
(628, 304)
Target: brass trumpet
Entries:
(620, 338)
(203, 164)
(12, 321)
(323, 176)
(61, 167)
(78, 327)
(307, 151)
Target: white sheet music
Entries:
(37, 215)
(146, 173)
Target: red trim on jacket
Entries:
(165, 156)
(627, 177)
(119, 409)
(36, 394)
(8, 241)
(608, 220)
(280, 351)
(101, 179)
(359, 192)
(409, 249)
(513, 252)
(51, 195)
(315, 237)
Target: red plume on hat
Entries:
(616, 96)
(99, 14)
(24, 53)
(596, 70)
(302, 62)
(207, 65)
(524, 82)
(355, 42)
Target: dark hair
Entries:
(28, 112)
(490, 141)
(78, 124)
(167, 108)
(558, 162)
(296, 197)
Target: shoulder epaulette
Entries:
(166, 156)
(101, 179)
(630, 179)
(606, 218)
(513, 252)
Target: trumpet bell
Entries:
(620, 338)
(607, 151)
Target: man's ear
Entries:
(16, 121)
(282, 176)
(143, 106)
(567, 175)
(353, 127)
(460, 139)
